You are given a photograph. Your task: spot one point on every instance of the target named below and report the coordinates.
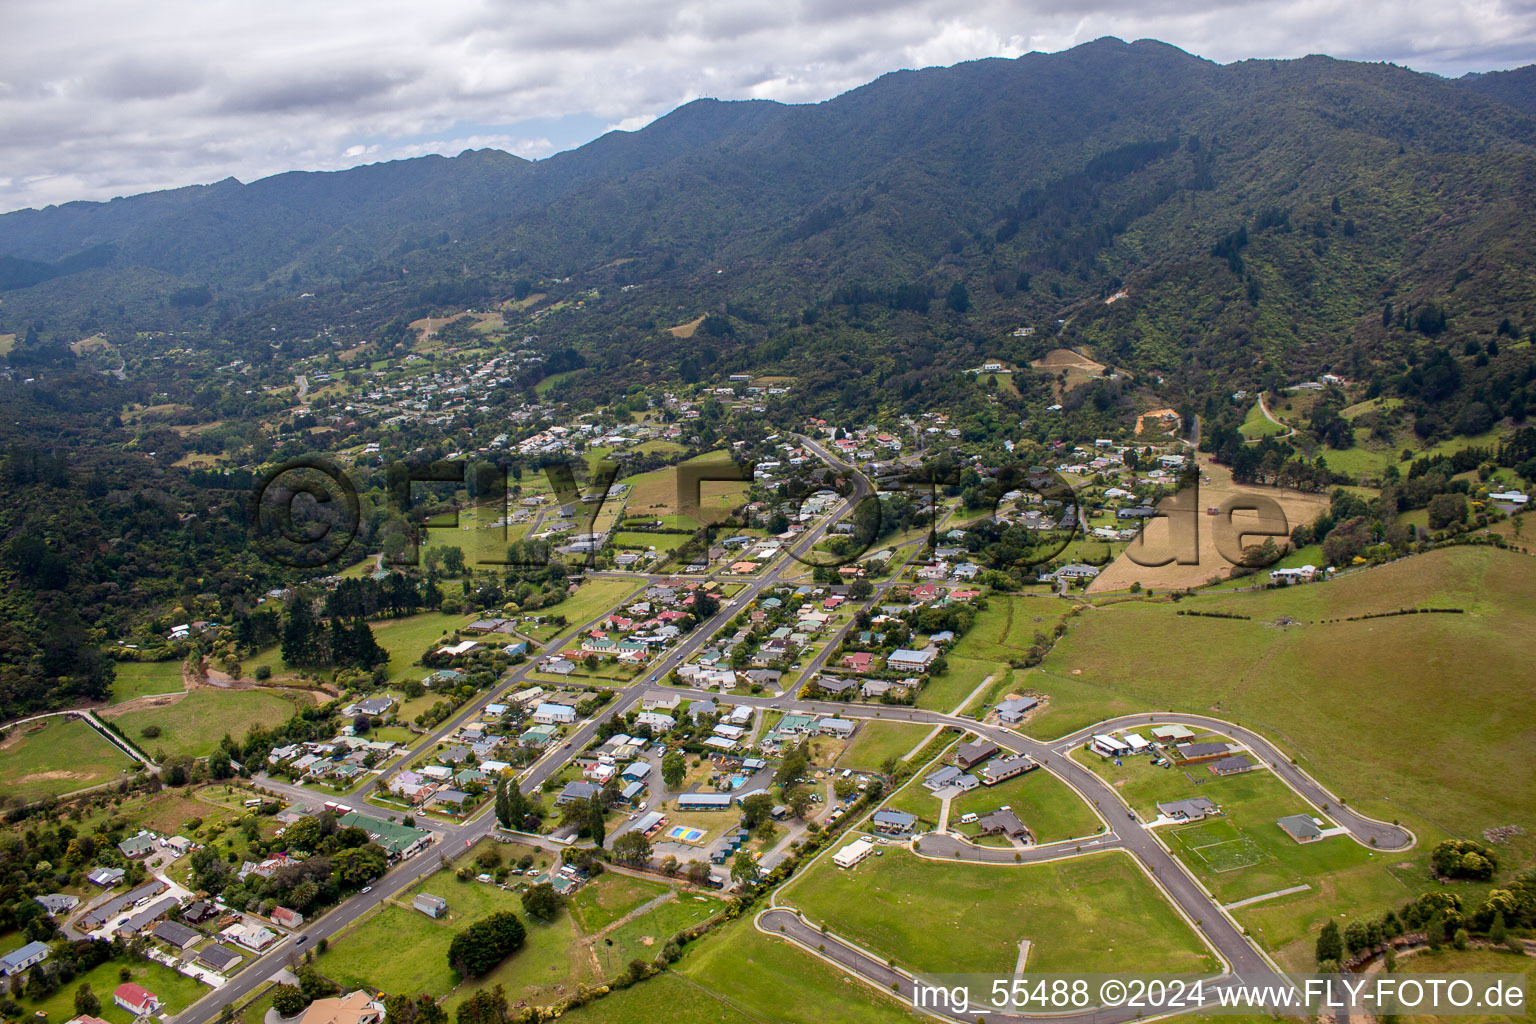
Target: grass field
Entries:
(1470, 961)
(484, 545)
(656, 492)
(877, 742)
(1095, 913)
(195, 723)
(55, 756)
(141, 678)
(1258, 425)
(662, 542)
(1351, 722)
(598, 906)
(646, 935)
(592, 598)
(952, 689)
(399, 949)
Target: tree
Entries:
(743, 868)
(632, 847)
(755, 809)
(287, 1000)
(541, 902)
(698, 872)
(1330, 945)
(674, 767)
(402, 1009)
(596, 827)
(958, 298)
(86, 1001)
(511, 805)
(1446, 510)
(487, 1006)
(1356, 936)
(484, 944)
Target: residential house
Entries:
(969, 755)
(1234, 765)
(1301, 828)
(353, 1008)
(285, 918)
(178, 936)
(136, 999)
(1005, 768)
(1189, 809)
(904, 660)
(218, 958)
(57, 903)
(1013, 710)
(893, 823)
(18, 960)
(1002, 822)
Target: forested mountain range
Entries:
(1199, 229)
(1040, 185)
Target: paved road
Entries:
(1378, 835)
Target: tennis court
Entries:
(685, 834)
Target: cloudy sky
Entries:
(101, 98)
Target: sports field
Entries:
(1219, 846)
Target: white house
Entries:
(554, 714)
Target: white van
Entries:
(967, 819)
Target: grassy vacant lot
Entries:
(877, 742)
(670, 997)
(644, 936)
(1042, 801)
(1426, 717)
(592, 598)
(140, 678)
(398, 949)
(781, 982)
(194, 724)
(1244, 853)
(1095, 913)
(55, 756)
(484, 545)
(1003, 631)
(655, 492)
(176, 991)
(598, 906)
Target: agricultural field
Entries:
(54, 756)
(1093, 913)
(193, 725)
(142, 678)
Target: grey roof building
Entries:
(1191, 809)
(1301, 828)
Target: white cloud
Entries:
(102, 100)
